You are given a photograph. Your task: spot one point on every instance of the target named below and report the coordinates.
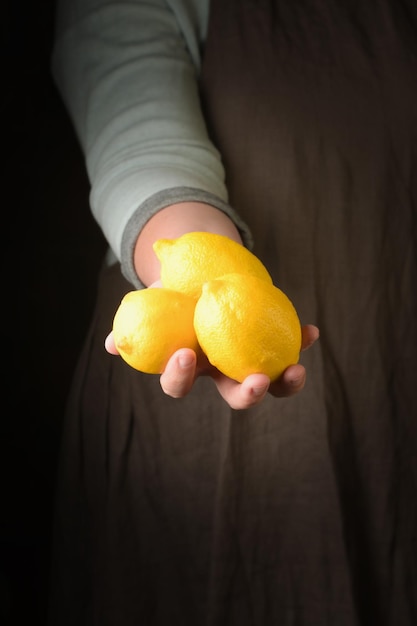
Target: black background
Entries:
(52, 250)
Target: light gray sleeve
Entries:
(128, 74)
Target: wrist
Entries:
(172, 222)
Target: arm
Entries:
(128, 74)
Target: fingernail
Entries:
(259, 391)
(185, 360)
(296, 382)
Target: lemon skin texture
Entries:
(198, 257)
(245, 326)
(150, 325)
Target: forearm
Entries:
(128, 74)
(172, 222)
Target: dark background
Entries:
(52, 250)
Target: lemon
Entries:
(150, 325)
(197, 257)
(246, 325)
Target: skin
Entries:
(185, 366)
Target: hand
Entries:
(184, 367)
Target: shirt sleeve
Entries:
(128, 75)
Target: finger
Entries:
(291, 382)
(110, 345)
(310, 334)
(242, 395)
(179, 374)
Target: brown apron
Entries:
(302, 511)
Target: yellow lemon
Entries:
(150, 325)
(246, 325)
(197, 257)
